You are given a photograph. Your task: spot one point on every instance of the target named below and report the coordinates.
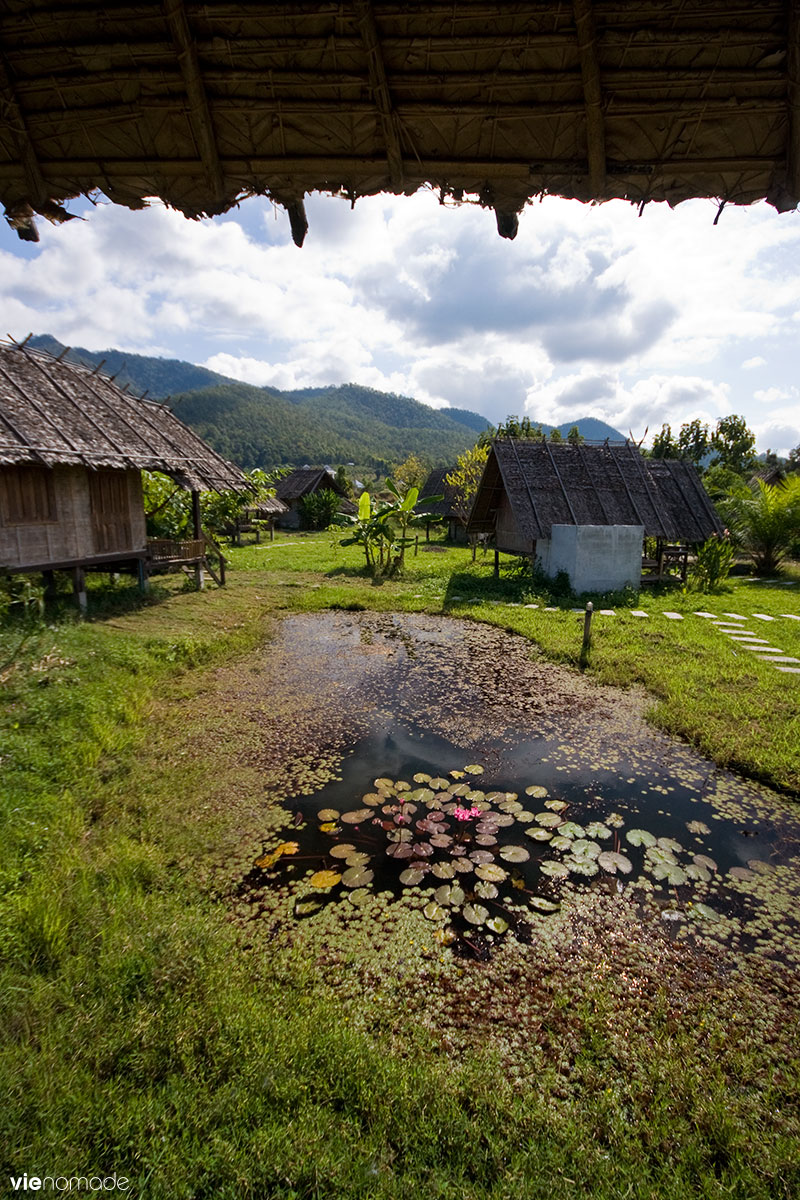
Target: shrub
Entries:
(712, 564)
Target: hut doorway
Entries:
(110, 508)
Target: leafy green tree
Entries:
(733, 444)
(555, 436)
(693, 441)
(575, 437)
(411, 473)
(766, 520)
(465, 479)
(664, 445)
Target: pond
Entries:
(484, 787)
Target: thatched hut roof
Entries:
(436, 485)
(56, 413)
(608, 484)
(204, 103)
(302, 481)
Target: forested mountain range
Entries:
(267, 427)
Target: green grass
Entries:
(141, 1036)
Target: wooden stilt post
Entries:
(199, 576)
(497, 564)
(587, 633)
(79, 588)
(49, 584)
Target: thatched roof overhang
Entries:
(56, 413)
(608, 484)
(201, 104)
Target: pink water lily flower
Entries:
(466, 814)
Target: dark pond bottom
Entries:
(491, 831)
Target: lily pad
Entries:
(543, 905)
(583, 848)
(703, 910)
(422, 777)
(355, 818)
(491, 872)
(660, 855)
(615, 820)
(323, 880)
(359, 896)
(548, 820)
(697, 827)
(357, 877)
(741, 873)
(434, 911)
(555, 805)
(342, 850)
(441, 840)
(579, 865)
(613, 862)
(450, 894)
(438, 784)
(400, 850)
(497, 924)
(486, 839)
(556, 870)
(443, 870)
(474, 768)
(698, 872)
(385, 785)
(476, 914)
(373, 799)
(329, 826)
(571, 830)
(328, 814)
(486, 891)
(465, 865)
(539, 835)
(667, 843)
(411, 877)
(503, 820)
(669, 873)
(358, 858)
(510, 806)
(514, 854)
(760, 867)
(561, 843)
(596, 829)
(704, 861)
(536, 790)
(639, 837)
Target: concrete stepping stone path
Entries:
(673, 616)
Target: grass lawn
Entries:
(140, 1036)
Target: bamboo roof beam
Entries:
(379, 84)
(592, 95)
(20, 215)
(793, 89)
(200, 112)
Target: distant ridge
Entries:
(267, 427)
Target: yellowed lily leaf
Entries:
(325, 879)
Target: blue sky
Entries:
(591, 311)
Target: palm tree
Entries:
(765, 520)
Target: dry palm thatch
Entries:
(546, 485)
(55, 413)
(202, 104)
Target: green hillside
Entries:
(260, 427)
(266, 427)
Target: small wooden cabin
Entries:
(436, 485)
(587, 508)
(72, 449)
(302, 482)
